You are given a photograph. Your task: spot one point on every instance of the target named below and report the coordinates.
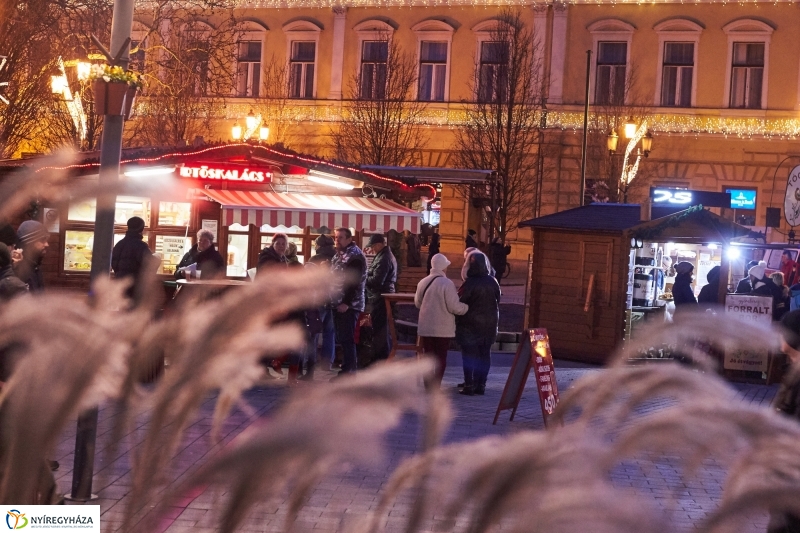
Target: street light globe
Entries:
(236, 132)
(84, 69)
(263, 133)
(647, 143)
(251, 121)
(58, 84)
(630, 129)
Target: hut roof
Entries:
(603, 217)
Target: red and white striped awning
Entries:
(276, 209)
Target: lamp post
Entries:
(252, 126)
(633, 133)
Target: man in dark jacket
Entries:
(744, 286)
(32, 240)
(497, 256)
(470, 241)
(381, 279)
(10, 284)
(764, 286)
(130, 254)
(324, 249)
(476, 331)
(349, 261)
(206, 258)
(707, 299)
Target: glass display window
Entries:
(171, 249)
(127, 207)
(266, 240)
(236, 260)
(78, 250)
(174, 213)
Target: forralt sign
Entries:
(756, 309)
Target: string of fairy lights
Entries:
(475, 3)
(454, 116)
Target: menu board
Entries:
(756, 309)
(533, 353)
(171, 249)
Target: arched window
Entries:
(748, 63)
(492, 58)
(302, 45)
(249, 56)
(676, 77)
(374, 38)
(434, 39)
(611, 47)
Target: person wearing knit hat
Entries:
(764, 286)
(10, 284)
(682, 292)
(438, 303)
(32, 239)
(130, 254)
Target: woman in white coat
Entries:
(438, 303)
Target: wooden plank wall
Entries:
(563, 263)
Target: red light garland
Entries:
(265, 148)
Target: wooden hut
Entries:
(583, 263)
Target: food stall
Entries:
(242, 192)
(599, 271)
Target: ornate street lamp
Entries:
(630, 128)
(612, 141)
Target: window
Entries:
(493, 71)
(197, 57)
(374, 59)
(747, 74)
(611, 72)
(126, 207)
(432, 71)
(174, 213)
(301, 81)
(248, 69)
(677, 73)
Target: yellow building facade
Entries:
(718, 83)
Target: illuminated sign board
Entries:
(742, 198)
(684, 198)
(225, 173)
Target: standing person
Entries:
(744, 286)
(433, 249)
(413, 256)
(787, 402)
(291, 255)
(324, 251)
(470, 240)
(707, 299)
(497, 256)
(682, 292)
(10, 284)
(130, 255)
(465, 266)
(381, 279)
(32, 242)
(438, 303)
(349, 261)
(788, 268)
(764, 286)
(782, 303)
(275, 254)
(203, 254)
(476, 330)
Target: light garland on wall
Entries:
(662, 123)
(328, 4)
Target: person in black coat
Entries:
(433, 249)
(324, 249)
(787, 402)
(476, 331)
(744, 286)
(32, 244)
(470, 241)
(764, 286)
(10, 284)
(682, 293)
(497, 257)
(381, 279)
(130, 254)
(275, 254)
(207, 259)
(707, 299)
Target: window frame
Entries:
(303, 31)
(256, 91)
(434, 31)
(677, 31)
(252, 31)
(371, 30)
(609, 30)
(747, 31)
(483, 33)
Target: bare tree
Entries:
(188, 69)
(504, 120)
(605, 182)
(381, 123)
(273, 104)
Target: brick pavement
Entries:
(348, 495)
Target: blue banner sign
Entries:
(742, 198)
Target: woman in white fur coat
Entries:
(438, 303)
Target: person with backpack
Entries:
(438, 303)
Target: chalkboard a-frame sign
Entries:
(533, 353)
